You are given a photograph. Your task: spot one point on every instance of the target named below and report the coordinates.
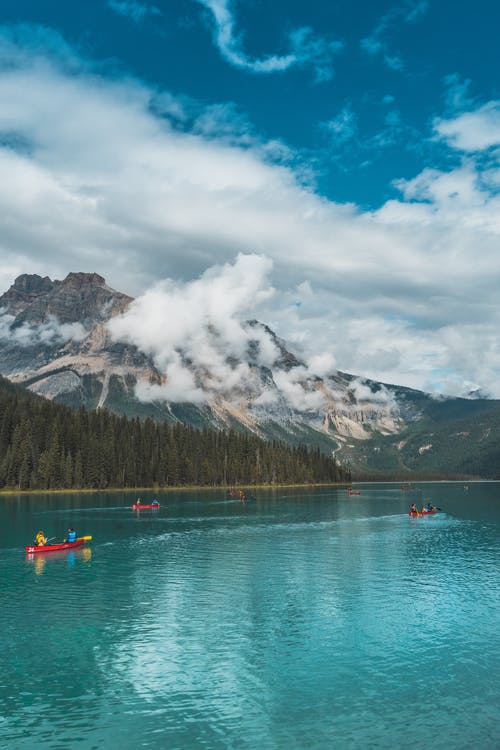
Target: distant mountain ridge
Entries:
(54, 340)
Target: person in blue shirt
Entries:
(71, 536)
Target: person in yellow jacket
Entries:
(40, 539)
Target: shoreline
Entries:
(184, 488)
(227, 488)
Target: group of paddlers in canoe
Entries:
(42, 541)
(139, 505)
(425, 511)
(43, 544)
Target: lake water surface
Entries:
(308, 619)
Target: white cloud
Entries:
(199, 338)
(306, 47)
(298, 396)
(98, 179)
(199, 325)
(472, 131)
(30, 334)
(362, 392)
(322, 364)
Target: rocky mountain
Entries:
(55, 340)
(80, 298)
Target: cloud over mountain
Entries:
(199, 326)
(32, 334)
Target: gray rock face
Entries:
(24, 292)
(80, 298)
(56, 327)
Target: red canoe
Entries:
(423, 513)
(55, 547)
(145, 506)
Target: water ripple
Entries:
(310, 622)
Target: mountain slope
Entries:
(453, 438)
(55, 340)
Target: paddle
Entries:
(35, 544)
(79, 539)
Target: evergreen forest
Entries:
(44, 445)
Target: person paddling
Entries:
(413, 508)
(71, 536)
(40, 539)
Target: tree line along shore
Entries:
(48, 446)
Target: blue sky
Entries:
(355, 146)
(356, 103)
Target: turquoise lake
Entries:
(307, 619)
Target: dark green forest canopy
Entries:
(44, 445)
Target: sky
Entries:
(330, 169)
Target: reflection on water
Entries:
(70, 557)
(306, 619)
(39, 563)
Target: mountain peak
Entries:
(30, 283)
(80, 297)
(80, 279)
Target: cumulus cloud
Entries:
(195, 331)
(98, 177)
(201, 340)
(472, 131)
(307, 49)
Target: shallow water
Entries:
(305, 620)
